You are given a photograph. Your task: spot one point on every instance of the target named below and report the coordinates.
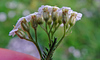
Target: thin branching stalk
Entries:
(62, 36)
(50, 53)
(55, 30)
(46, 33)
(29, 35)
(35, 34)
(37, 46)
(51, 28)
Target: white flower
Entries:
(41, 9)
(45, 12)
(13, 32)
(38, 15)
(18, 26)
(55, 8)
(66, 12)
(54, 13)
(77, 15)
(59, 12)
(68, 9)
(59, 15)
(29, 17)
(63, 9)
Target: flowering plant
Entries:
(50, 18)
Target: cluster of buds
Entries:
(48, 14)
(53, 17)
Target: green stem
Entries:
(51, 35)
(37, 46)
(50, 32)
(35, 34)
(68, 29)
(51, 28)
(46, 32)
(50, 53)
(55, 30)
(29, 35)
(46, 26)
(62, 37)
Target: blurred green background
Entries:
(82, 44)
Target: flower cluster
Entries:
(49, 18)
(50, 14)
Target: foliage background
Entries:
(85, 36)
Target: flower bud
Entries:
(40, 20)
(34, 23)
(55, 23)
(49, 21)
(45, 10)
(59, 16)
(67, 26)
(20, 34)
(24, 25)
(64, 18)
(72, 19)
(54, 16)
(59, 21)
(46, 14)
(66, 11)
(54, 13)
